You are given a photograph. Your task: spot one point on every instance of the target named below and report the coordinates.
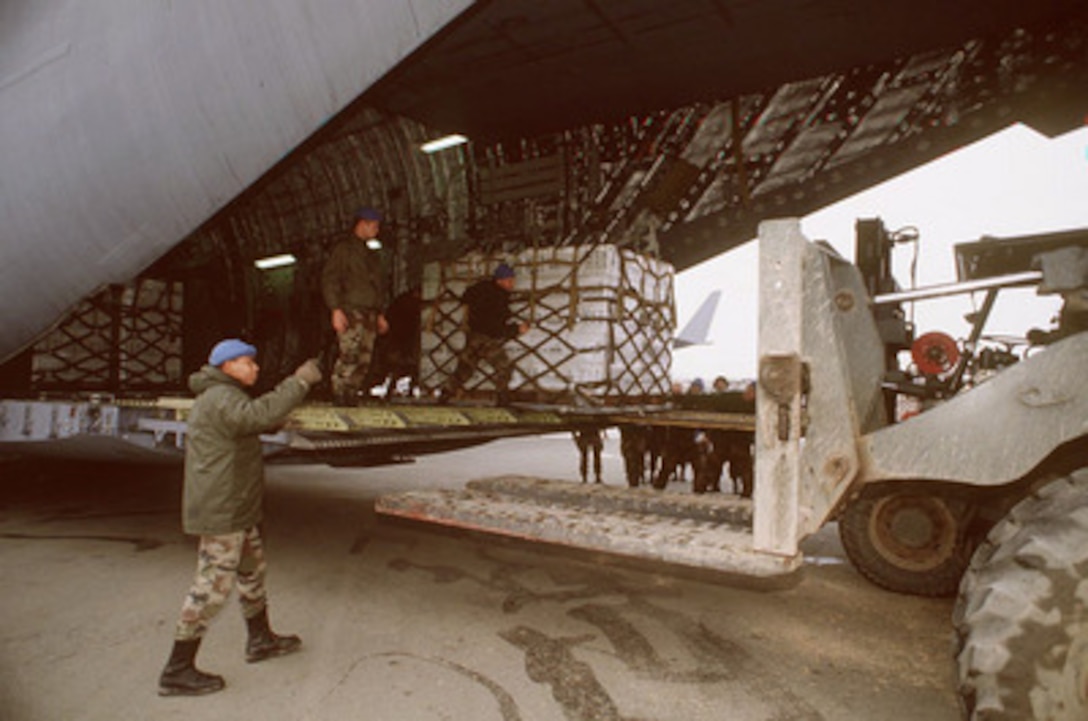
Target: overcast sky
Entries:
(1015, 182)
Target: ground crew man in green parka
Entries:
(222, 504)
(354, 290)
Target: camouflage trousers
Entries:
(349, 374)
(222, 560)
(480, 347)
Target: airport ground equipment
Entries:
(989, 480)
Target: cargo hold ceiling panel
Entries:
(675, 127)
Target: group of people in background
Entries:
(658, 455)
(698, 387)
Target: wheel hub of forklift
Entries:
(918, 532)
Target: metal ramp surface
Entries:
(143, 430)
(705, 532)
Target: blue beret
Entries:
(503, 271)
(230, 349)
(368, 214)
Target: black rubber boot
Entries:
(182, 678)
(263, 643)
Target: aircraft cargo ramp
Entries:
(154, 430)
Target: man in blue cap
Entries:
(222, 504)
(489, 327)
(353, 286)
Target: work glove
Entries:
(309, 372)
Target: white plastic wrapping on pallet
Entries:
(601, 323)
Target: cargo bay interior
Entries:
(667, 129)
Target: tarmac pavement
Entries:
(401, 622)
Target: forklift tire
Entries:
(908, 542)
(1020, 619)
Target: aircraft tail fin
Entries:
(697, 329)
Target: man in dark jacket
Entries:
(396, 354)
(354, 290)
(222, 504)
(489, 327)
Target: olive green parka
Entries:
(352, 278)
(224, 469)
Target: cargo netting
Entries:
(601, 323)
